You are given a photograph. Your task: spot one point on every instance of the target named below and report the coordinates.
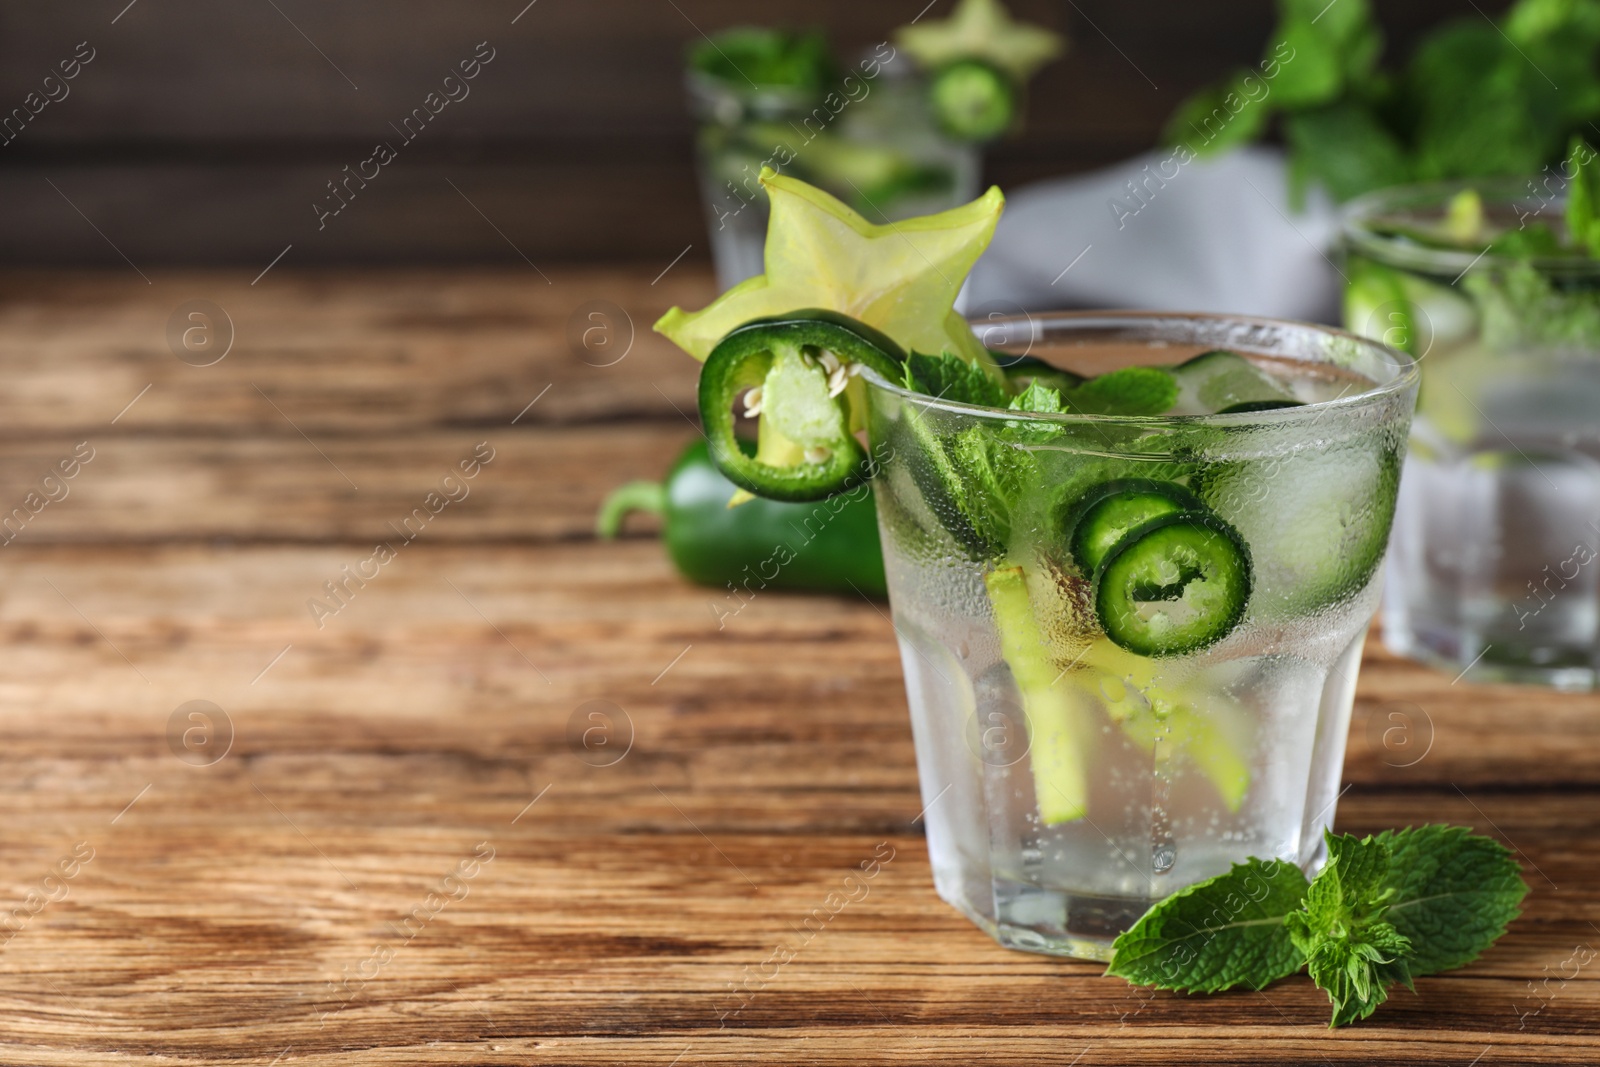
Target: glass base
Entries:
(1502, 661)
(1052, 922)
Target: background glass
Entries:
(879, 152)
(1492, 570)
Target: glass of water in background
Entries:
(863, 133)
(1493, 569)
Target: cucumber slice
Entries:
(972, 100)
(1260, 405)
(1406, 311)
(1174, 585)
(1217, 380)
(1060, 737)
(1104, 515)
(1317, 522)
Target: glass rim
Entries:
(1406, 375)
(1356, 217)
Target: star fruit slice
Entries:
(900, 277)
(982, 29)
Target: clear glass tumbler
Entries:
(1492, 572)
(1070, 780)
(872, 144)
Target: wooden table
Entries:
(378, 843)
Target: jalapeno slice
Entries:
(973, 100)
(1105, 514)
(802, 363)
(1174, 585)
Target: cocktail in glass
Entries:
(1493, 570)
(1103, 717)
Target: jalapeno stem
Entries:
(1058, 722)
(649, 497)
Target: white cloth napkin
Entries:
(1210, 235)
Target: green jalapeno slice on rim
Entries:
(795, 372)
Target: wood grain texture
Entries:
(264, 907)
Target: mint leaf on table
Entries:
(1454, 892)
(949, 377)
(1352, 951)
(1383, 910)
(1224, 932)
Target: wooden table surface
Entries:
(384, 840)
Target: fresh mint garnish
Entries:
(949, 377)
(1040, 399)
(1129, 391)
(1476, 98)
(1384, 910)
(1583, 196)
(1454, 893)
(1218, 934)
(1352, 952)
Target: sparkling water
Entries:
(1193, 761)
(1493, 572)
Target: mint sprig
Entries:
(1384, 910)
(1352, 952)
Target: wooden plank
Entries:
(539, 484)
(401, 350)
(229, 909)
(255, 907)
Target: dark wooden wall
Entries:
(203, 132)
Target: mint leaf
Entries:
(1344, 147)
(1037, 398)
(1383, 910)
(1583, 196)
(1532, 239)
(1518, 305)
(949, 377)
(1481, 108)
(1129, 391)
(1224, 932)
(1453, 892)
(1353, 952)
(1222, 116)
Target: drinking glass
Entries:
(1068, 781)
(872, 144)
(1492, 574)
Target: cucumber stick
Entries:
(1058, 720)
(1198, 723)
